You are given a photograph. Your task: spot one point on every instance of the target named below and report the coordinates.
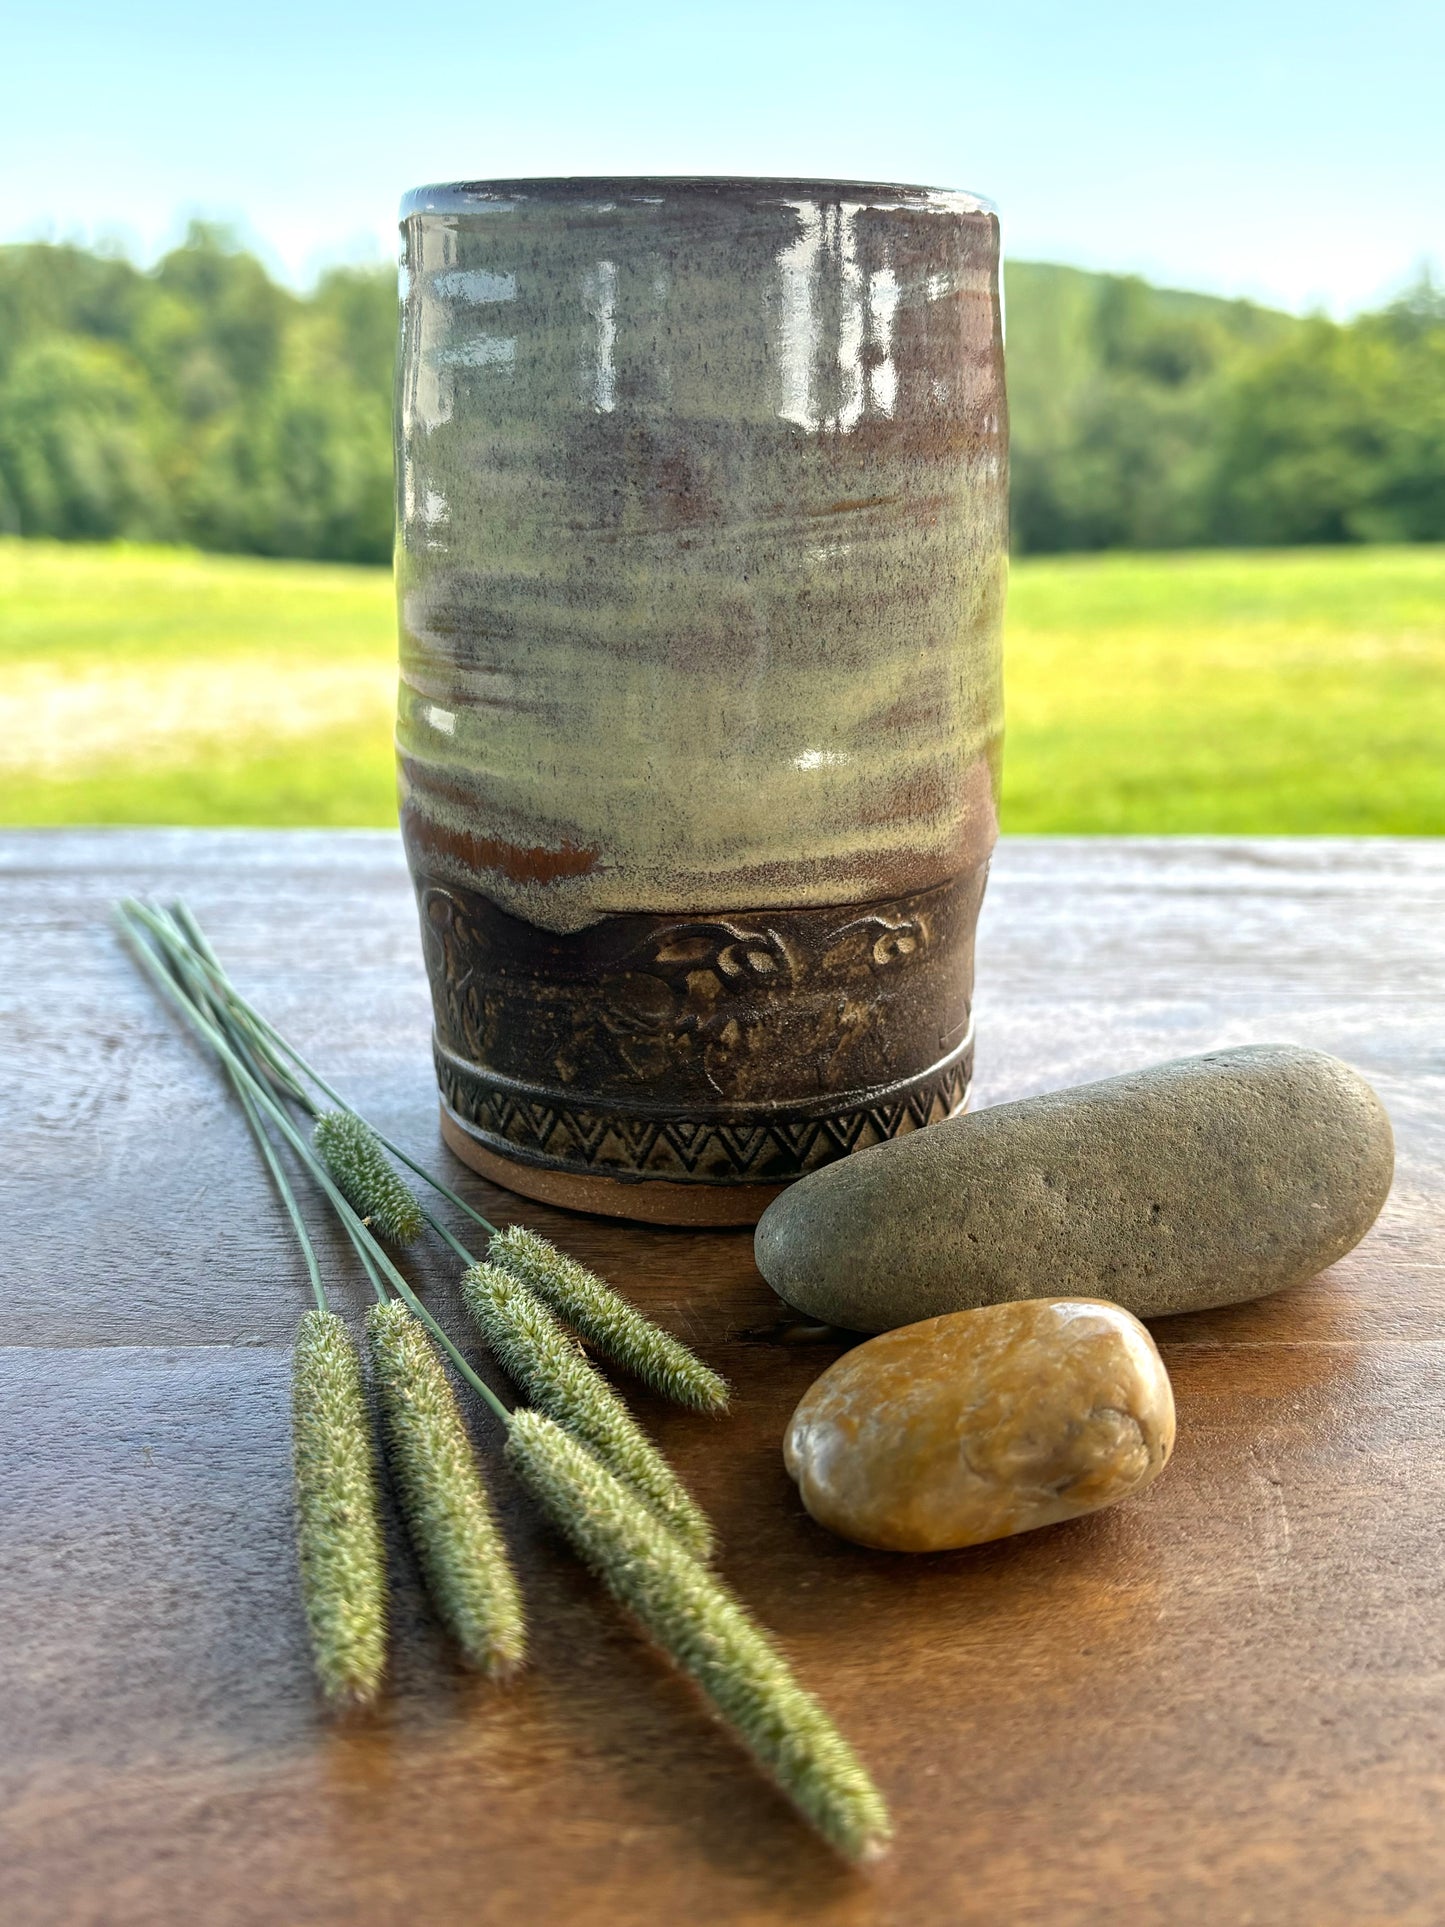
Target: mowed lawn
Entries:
(1243, 692)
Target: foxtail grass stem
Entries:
(600, 1314)
(272, 1066)
(283, 1185)
(273, 1041)
(192, 1013)
(241, 1086)
(187, 950)
(201, 944)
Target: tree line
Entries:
(200, 402)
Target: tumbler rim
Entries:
(497, 196)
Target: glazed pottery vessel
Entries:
(702, 498)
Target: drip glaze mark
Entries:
(515, 862)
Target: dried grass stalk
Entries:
(548, 1368)
(439, 1485)
(338, 1527)
(366, 1178)
(618, 1330)
(706, 1632)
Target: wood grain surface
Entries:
(1221, 1702)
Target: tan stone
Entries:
(983, 1423)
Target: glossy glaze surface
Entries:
(702, 546)
(972, 1427)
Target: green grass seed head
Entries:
(366, 1177)
(338, 1526)
(617, 1329)
(550, 1371)
(458, 1544)
(706, 1632)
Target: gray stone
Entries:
(1200, 1182)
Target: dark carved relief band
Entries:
(696, 1150)
(721, 1049)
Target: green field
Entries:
(1298, 691)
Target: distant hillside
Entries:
(1152, 418)
(1115, 389)
(199, 402)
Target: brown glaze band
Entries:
(713, 1050)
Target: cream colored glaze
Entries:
(702, 545)
(983, 1423)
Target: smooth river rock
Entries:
(1194, 1183)
(982, 1424)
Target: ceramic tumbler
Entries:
(701, 559)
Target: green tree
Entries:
(197, 402)
(1114, 391)
(1339, 435)
(201, 402)
(78, 435)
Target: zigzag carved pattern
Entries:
(692, 1150)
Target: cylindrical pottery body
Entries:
(701, 565)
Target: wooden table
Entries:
(1223, 1702)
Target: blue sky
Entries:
(1290, 152)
